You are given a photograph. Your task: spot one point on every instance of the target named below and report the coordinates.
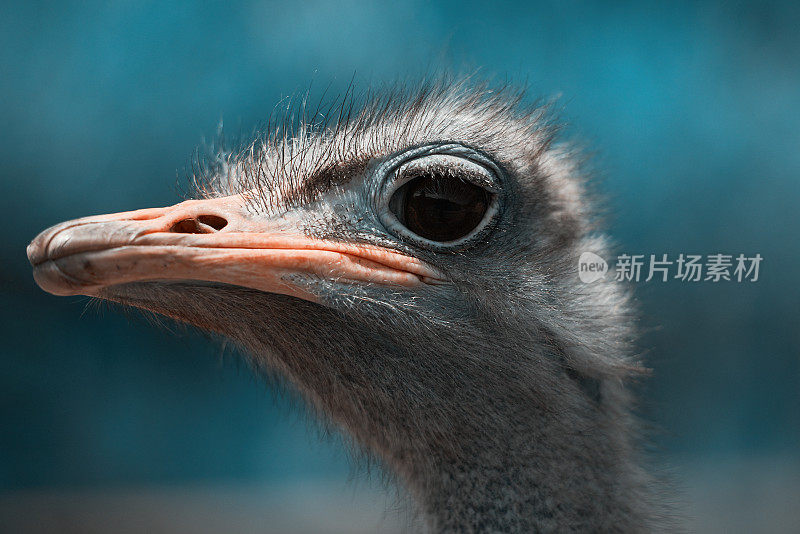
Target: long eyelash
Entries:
(445, 188)
(442, 173)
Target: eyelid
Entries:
(471, 171)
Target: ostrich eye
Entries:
(439, 207)
(441, 200)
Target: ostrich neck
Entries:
(496, 451)
(535, 477)
(537, 482)
(485, 437)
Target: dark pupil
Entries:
(439, 208)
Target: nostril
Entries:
(214, 221)
(204, 224)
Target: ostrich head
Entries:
(411, 269)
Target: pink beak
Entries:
(214, 240)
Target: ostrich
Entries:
(411, 269)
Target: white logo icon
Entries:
(591, 267)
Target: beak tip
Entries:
(35, 250)
(50, 278)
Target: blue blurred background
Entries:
(694, 110)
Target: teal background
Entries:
(693, 110)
